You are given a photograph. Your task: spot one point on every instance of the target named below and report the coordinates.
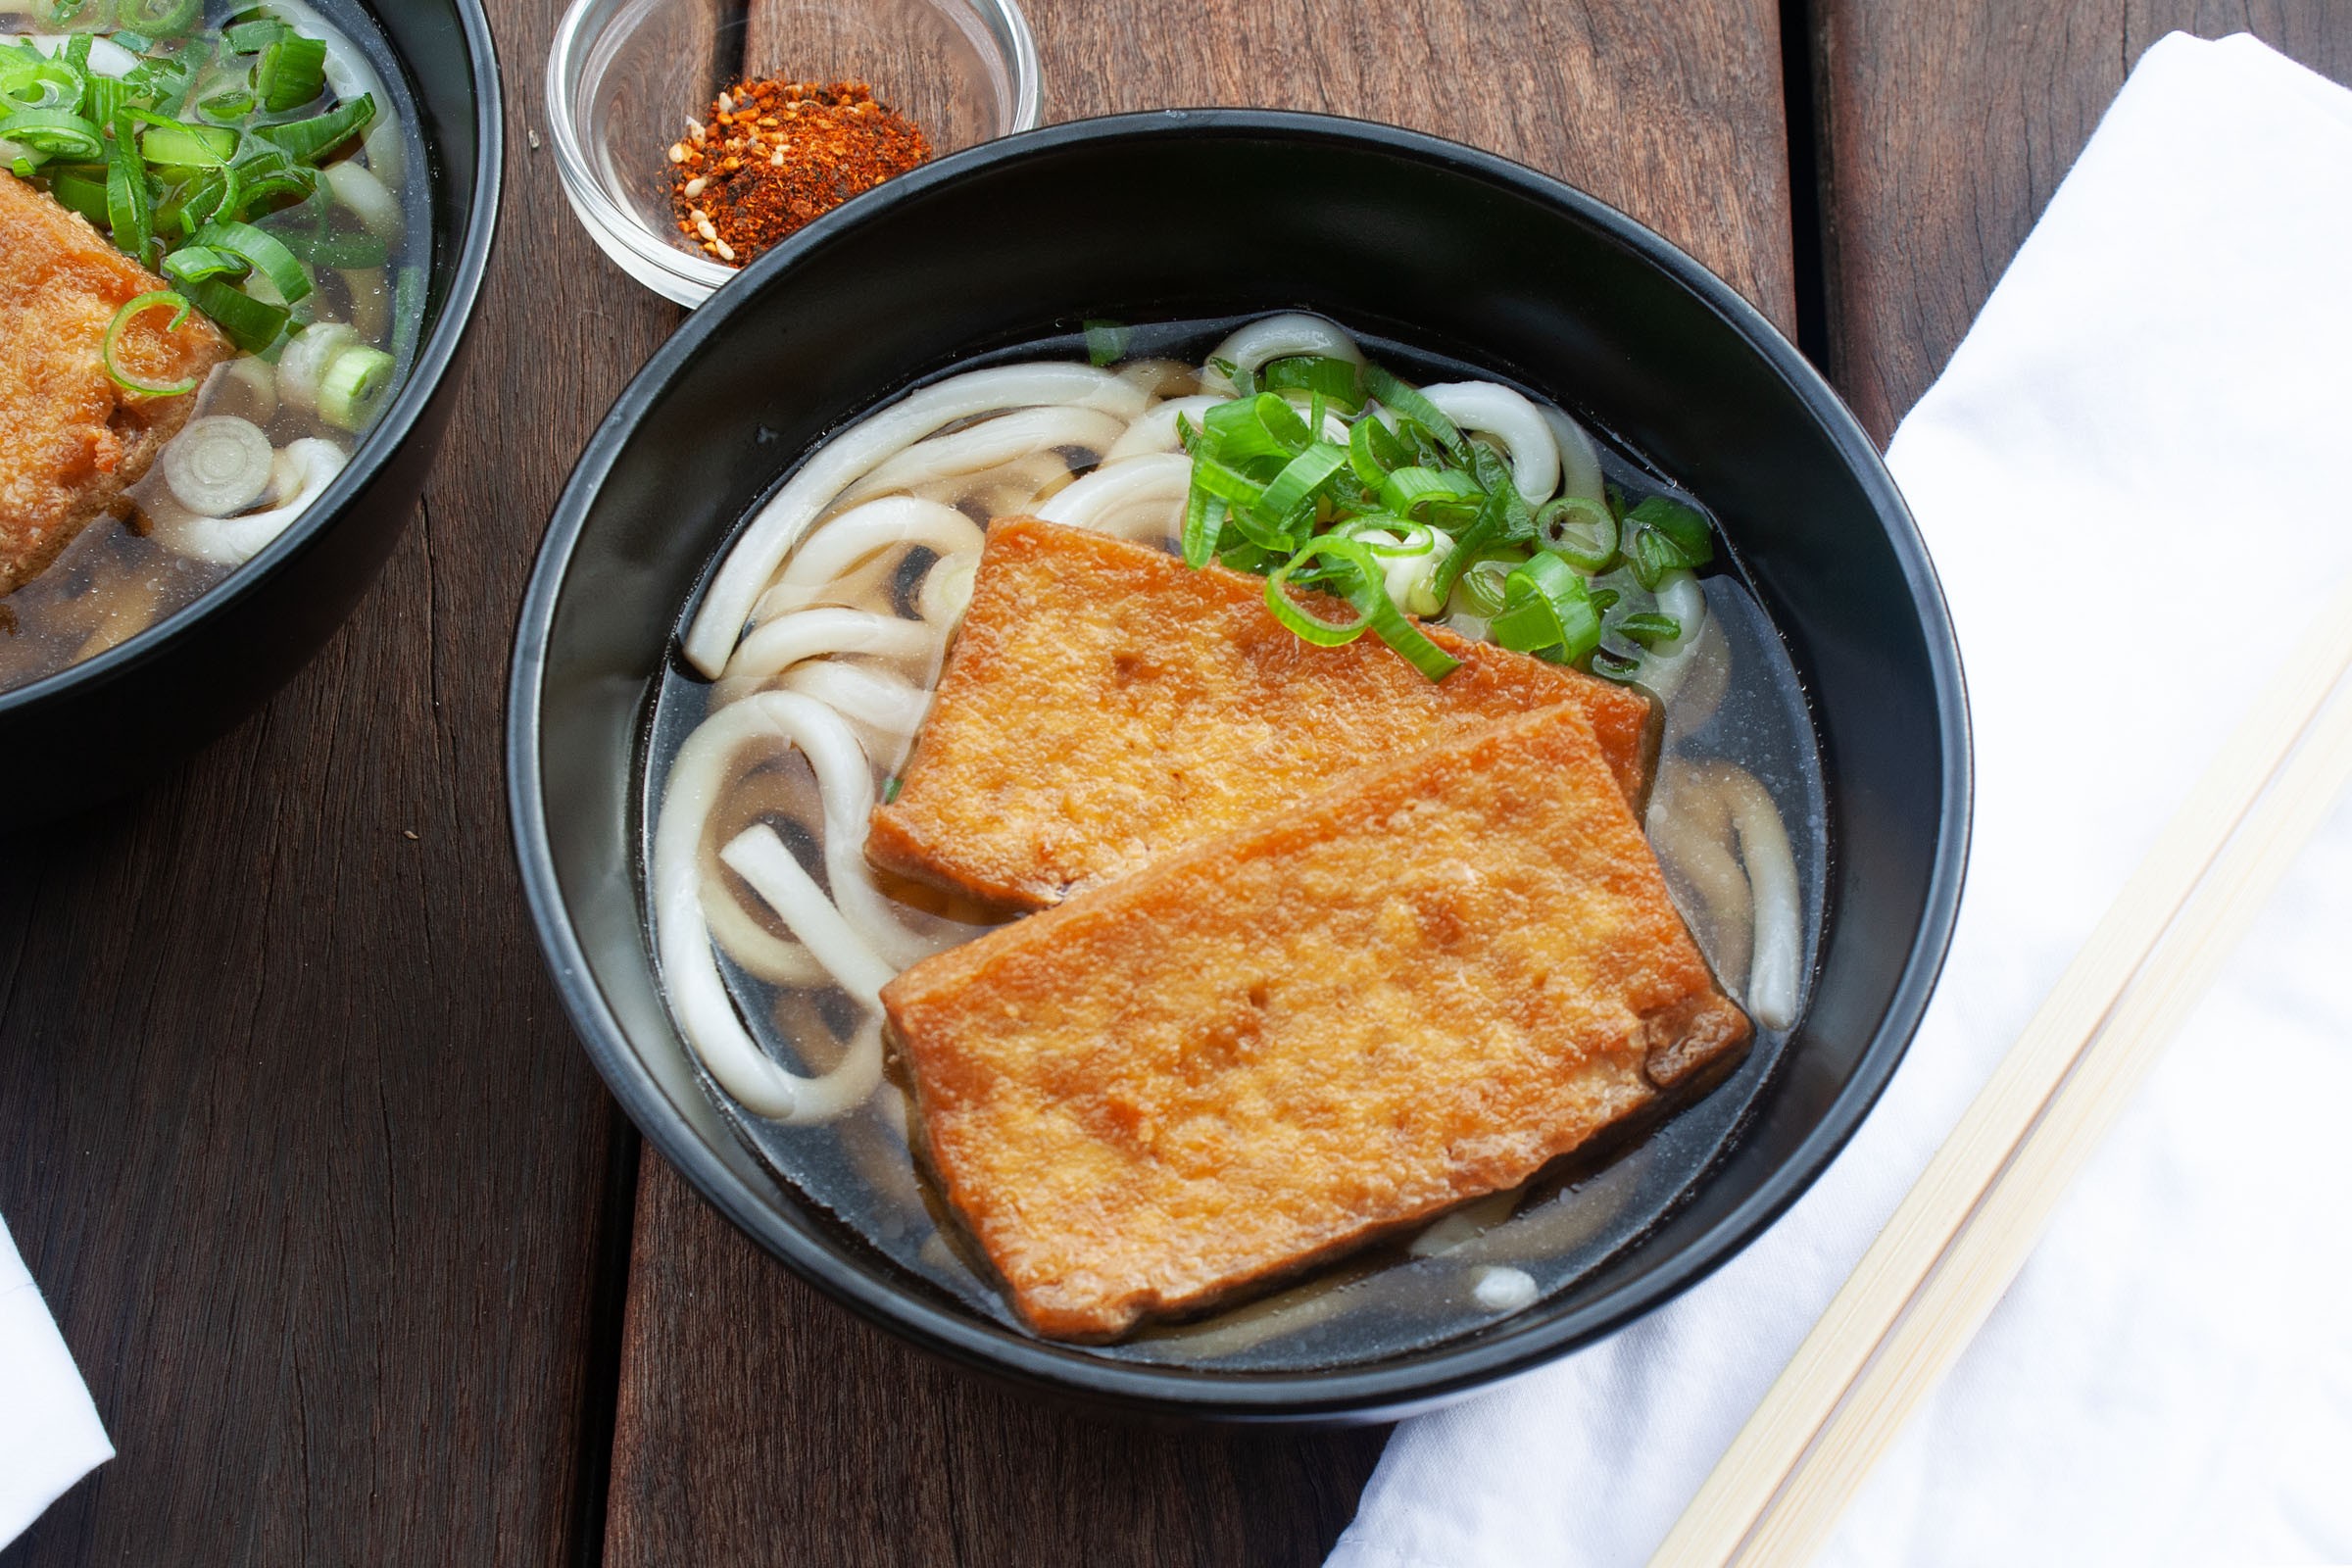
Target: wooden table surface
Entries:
(361, 1262)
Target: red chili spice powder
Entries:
(776, 155)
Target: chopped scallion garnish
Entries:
(1105, 342)
(131, 310)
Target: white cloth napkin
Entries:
(49, 1432)
(2134, 480)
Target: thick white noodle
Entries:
(1155, 430)
(1143, 496)
(698, 995)
(306, 466)
(1700, 811)
(947, 590)
(1278, 337)
(1691, 830)
(370, 201)
(851, 537)
(1580, 458)
(865, 697)
(763, 955)
(813, 633)
(1772, 973)
(1493, 409)
(759, 856)
(1410, 580)
(1499, 1288)
(857, 452)
(1664, 667)
(988, 443)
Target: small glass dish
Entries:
(624, 76)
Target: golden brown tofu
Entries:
(1420, 985)
(1106, 704)
(71, 440)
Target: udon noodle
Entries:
(824, 630)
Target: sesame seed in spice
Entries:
(777, 155)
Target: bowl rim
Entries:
(699, 277)
(1378, 1389)
(435, 357)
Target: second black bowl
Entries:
(1200, 214)
(100, 728)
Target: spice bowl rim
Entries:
(650, 256)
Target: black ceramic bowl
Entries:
(1432, 244)
(106, 725)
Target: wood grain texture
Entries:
(759, 1424)
(1945, 129)
(292, 1132)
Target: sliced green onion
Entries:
(407, 311)
(1685, 525)
(1652, 555)
(193, 264)
(53, 133)
(1245, 384)
(1203, 519)
(173, 145)
(1242, 430)
(1580, 530)
(34, 80)
(250, 325)
(1301, 477)
(252, 38)
(1392, 393)
(161, 299)
(312, 139)
(1367, 593)
(234, 104)
(268, 254)
(1336, 380)
(131, 216)
(1547, 610)
(1484, 583)
(161, 19)
(63, 13)
(290, 73)
(1305, 622)
(1105, 342)
(1408, 489)
(81, 193)
(104, 98)
(1412, 538)
(1647, 628)
(353, 386)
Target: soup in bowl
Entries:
(1268, 830)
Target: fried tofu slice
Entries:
(1106, 704)
(1418, 986)
(71, 440)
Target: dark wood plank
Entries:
(758, 1424)
(292, 1132)
(1945, 129)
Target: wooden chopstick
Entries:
(1967, 1226)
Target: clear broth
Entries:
(1383, 1302)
